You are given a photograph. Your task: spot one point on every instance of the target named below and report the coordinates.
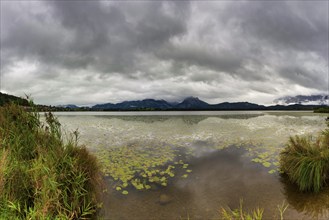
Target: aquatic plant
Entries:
(255, 214)
(305, 160)
(140, 166)
(240, 214)
(282, 208)
(41, 177)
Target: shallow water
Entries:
(231, 156)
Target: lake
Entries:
(180, 165)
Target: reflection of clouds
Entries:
(222, 178)
(270, 130)
(218, 178)
(315, 205)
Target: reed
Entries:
(41, 175)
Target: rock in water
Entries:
(164, 199)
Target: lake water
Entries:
(205, 160)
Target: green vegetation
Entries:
(41, 177)
(6, 99)
(305, 161)
(140, 166)
(256, 214)
(239, 213)
(324, 109)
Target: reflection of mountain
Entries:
(137, 118)
(188, 119)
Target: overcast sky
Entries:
(88, 52)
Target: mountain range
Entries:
(193, 103)
(189, 103)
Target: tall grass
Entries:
(41, 177)
(305, 160)
(255, 214)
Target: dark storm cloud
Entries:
(219, 51)
(226, 61)
(114, 38)
(81, 34)
(303, 76)
(300, 25)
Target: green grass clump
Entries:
(41, 177)
(240, 214)
(305, 160)
(255, 214)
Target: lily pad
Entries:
(272, 171)
(138, 166)
(266, 164)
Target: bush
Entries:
(305, 160)
(41, 176)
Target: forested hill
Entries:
(5, 98)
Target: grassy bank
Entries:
(41, 177)
(322, 110)
(305, 161)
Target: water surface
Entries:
(231, 156)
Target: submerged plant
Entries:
(240, 214)
(282, 208)
(255, 214)
(305, 161)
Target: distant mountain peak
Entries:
(192, 103)
(191, 98)
(72, 106)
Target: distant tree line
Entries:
(323, 109)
